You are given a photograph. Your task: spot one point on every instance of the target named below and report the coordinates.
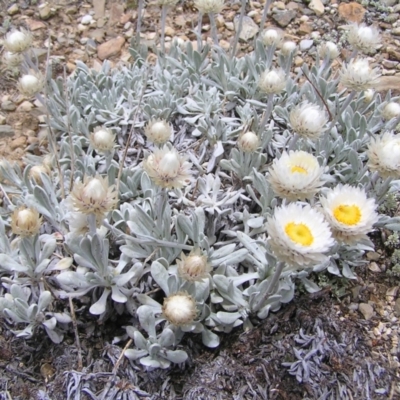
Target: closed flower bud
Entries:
(272, 37)
(193, 267)
(179, 309)
(328, 49)
(391, 110)
(358, 75)
(18, 41)
(102, 140)
(272, 81)
(36, 171)
(288, 48)
(30, 84)
(368, 95)
(209, 6)
(308, 120)
(248, 142)
(364, 38)
(25, 222)
(158, 131)
(12, 59)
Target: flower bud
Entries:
(358, 75)
(18, 41)
(328, 49)
(102, 140)
(288, 48)
(35, 172)
(308, 120)
(12, 59)
(158, 131)
(193, 267)
(29, 85)
(179, 309)
(94, 191)
(25, 222)
(209, 6)
(272, 81)
(248, 142)
(272, 37)
(368, 95)
(391, 110)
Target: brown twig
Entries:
(78, 342)
(319, 95)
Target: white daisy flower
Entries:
(296, 175)
(350, 213)
(308, 120)
(299, 235)
(358, 75)
(364, 38)
(384, 155)
(167, 168)
(391, 110)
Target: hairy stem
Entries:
(214, 32)
(139, 21)
(267, 113)
(163, 18)
(199, 25)
(239, 28)
(264, 16)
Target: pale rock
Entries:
(306, 44)
(25, 106)
(2, 119)
(99, 8)
(129, 33)
(373, 256)
(397, 308)
(224, 44)
(6, 131)
(34, 25)
(298, 61)
(86, 19)
(280, 5)
(45, 11)
(304, 18)
(97, 35)
(110, 48)
(249, 28)
(8, 105)
(127, 25)
(366, 310)
(82, 28)
(71, 67)
(316, 6)
(169, 31)
(283, 18)
(18, 142)
(396, 31)
(219, 21)
(12, 10)
(229, 26)
(374, 267)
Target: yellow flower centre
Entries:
(347, 214)
(297, 168)
(299, 233)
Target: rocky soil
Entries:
(357, 320)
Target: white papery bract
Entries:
(349, 212)
(272, 81)
(272, 37)
(248, 142)
(194, 266)
(296, 175)
(308, 120)
(365, 39)
(167, 168)
(299, 235)
(328, 49)
(158, 131)
(179, 309)
(368, 95)
(18, 41)
(391, 110)
(358, 75)
(209, 6)
(384, 155)
(102, 140)
(25, 221)
(30, 84)
(288, 48)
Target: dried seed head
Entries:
(329, 49)
(18, 41)
(179, 309)
(158, 131)
(391, 110)
(209, 6)
(30, 84)
(248, 142)
(102, 140)
(25, 222)
(193, 267)
(272, 81)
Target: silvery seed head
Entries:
(328, 49)
(18, 41)
(358, 75)
(158, 131)
(365, 39)
(272, 81)
(30, 84)
(25, 222)
(209, 6)
(391, 110)
(272, 37)
(308, 120)
(288, 48)
(179, 309)
(248, 142)
(102, 140)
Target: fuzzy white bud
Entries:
(391, 110)
(18, 41)
(30, 84)
(179, 309)
(25, 222)
(158, 131)
(308, 120)
(272, 37)
(209, 6)
(94, 191)
(358, 75)
(364, 38)
(102, 140)
(288, 48)
(272, 81)
(329, 49)
(193, 267)
(248, 142)
(368, 95)
(36, 171)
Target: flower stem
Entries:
(349, 99)
(214, 33)
(163, 18)
(91, 218)
(264, 16)
(139, 21)
(269, 291)
(267, 112)
(239, 28)
(199, 24)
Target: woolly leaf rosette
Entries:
(296, 175)
(167, 168)
(349, 212)
(299, 235)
